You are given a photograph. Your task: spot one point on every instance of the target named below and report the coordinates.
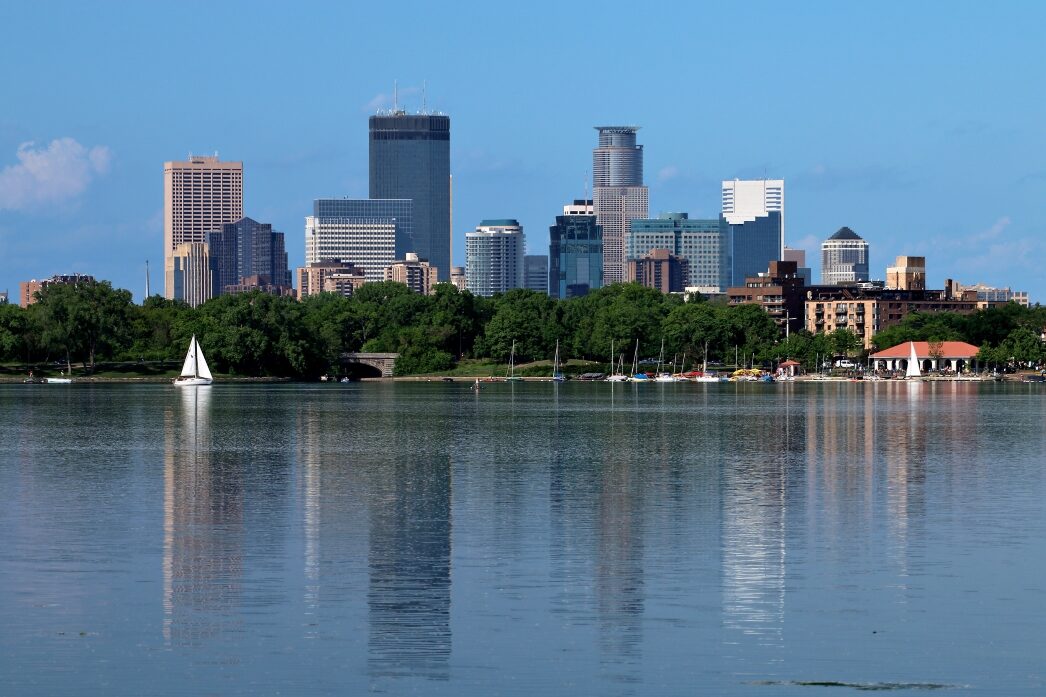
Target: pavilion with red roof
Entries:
(942, 355)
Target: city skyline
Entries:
(849, 155)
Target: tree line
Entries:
(256, 334)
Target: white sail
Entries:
(913, 364)
(201, 362)
(189, 366)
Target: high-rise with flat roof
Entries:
(410, 159)
(844, 258)
(618, 193)
(575, 251)
(199, 196)
(753, 220)
(363, 232)
(417, 274)
(189, 274)
(535, 272)
(494, 257)
(907, 273)
(700, 242)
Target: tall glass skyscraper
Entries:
(575, 252)
(410, 159)
(702, 243)
(753, 215)
(247, 248)
(618, 193)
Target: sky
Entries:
(917, 125)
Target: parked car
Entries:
(845, 363)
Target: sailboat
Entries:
(636, 375)
(660, 376)
(194, 370)
(511, 377)
(556, 375)
(913, 364)
(616, 375)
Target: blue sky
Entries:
(918, 125)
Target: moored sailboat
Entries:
(556, 375)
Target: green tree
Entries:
(84, 320)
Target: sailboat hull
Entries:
(191, 382)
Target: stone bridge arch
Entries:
(385, 363)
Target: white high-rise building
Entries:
(745, 200)
(199, 196)
(361, 231)
(494, 257)
(618, 194)
(844, 258)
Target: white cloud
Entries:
(667, 173)
(52, 174)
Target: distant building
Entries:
(259, 283)
(868, 310)
(188, 273)
(3, 297)
(618, 193)
(247, 249)
(844, 258)
(780, 291)
(956, 356)
(753, 223)
(410, 159)
(575, 251)
(907, 273)
(329, 276)
(799, 257)
(457, 277)
(494, 257)
(535, 272)
(701, 243)
(365, 232)
(990, 295)
(659, 269)
(27, 290)
(417, 274)
(199, 195)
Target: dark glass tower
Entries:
(752, 245)
(410, 159)
(575, 252)
(247, 248)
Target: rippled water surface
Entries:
(595, 539)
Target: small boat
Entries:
(556, 375)
(58, 381)
(194, 371)
(617, 375)
(511, 377)
(475, 385)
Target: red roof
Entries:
(949, 349)
(789, 362)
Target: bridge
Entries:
(384, 363)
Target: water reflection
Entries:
(202, 527)
(409, 564)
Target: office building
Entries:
(188, 273)
(417, 274)
(199, 196)
(27, 290)
(575, 251)
(260, 283)
(907, 273)
(659, 269)
(780, 291)
(410, 159)
(618, 193)
(535, 272)
(329, 276)
(494, 257)
(3, 297)
(247, 249)
(701, 243)
(457, 277)
(363, 232)
(753, 225)
(844, 258)
(990, 295)
(799, 257)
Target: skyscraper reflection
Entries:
(203, 527)
(409, 560)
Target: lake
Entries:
(574, 539)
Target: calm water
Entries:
(531, 539)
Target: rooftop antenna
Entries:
(146, 281)
(424, 96)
